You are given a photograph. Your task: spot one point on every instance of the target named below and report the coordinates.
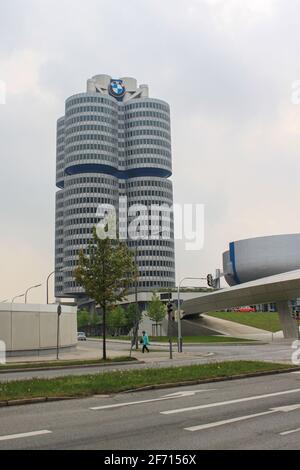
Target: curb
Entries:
(31, 401)
(81, 366)
(216, 343)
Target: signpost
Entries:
(170, 327)
(58, 318)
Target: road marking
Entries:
(226, 421)
(230, 402)
(284, 409)
(165, 397)
(296, 372)
(24, 434)
(285, 433)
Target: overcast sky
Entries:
(226, 67)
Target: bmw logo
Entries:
(117, 89)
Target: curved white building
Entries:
(112, 141)
(256, 258)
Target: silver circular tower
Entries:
(113, 141)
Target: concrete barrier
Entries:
(32, 329)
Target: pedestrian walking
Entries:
(145, 342)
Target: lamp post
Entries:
(17, 297)
(47, 285)
(47, 281)
(30, 288)
(178, 307)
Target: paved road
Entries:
(276, 352)
(255, 413)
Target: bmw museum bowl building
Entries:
(256, 258)
(112, 141)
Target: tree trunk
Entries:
(104, 332)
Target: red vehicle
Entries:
(246, 309)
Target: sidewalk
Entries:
(87, 351)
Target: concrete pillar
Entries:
(289, 325)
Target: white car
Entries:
(81, 336)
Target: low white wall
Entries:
(34, 327)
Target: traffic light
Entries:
(210, 280)
(170, 311)
(59, 310)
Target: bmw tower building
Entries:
(113, 141)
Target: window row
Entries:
(90, 99)
(147, 123)
(89, 127)
(156, 132)
(150, 150)
(91, 109)
(90, 146)
(85, 137)
(159, 142)
(146, 104)
(151, 114)
(91, 179)
(91, 117)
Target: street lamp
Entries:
(17, 297)
(29, 288)
(178, 307)
(47, 282)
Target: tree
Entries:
(133, 318)
(116, 319)
(156, 310)
(83, 318)
(105, 271)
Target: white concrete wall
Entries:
(34, 327)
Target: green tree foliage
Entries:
(156, 310)
(133, 316)
(117, 319)
(83, 318)
(105, 271)
(95, 319)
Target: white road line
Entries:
(24, 434)
(227, 421)
(166, 397)
(283, 409)
(285, 433)
(296, 372)
(230, 402)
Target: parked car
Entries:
(246, 309)
(81, 336)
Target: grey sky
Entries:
(226, 68)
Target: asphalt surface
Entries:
(276, 352)
(254, 413)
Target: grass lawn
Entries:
(118, 381)
(268, 321)
(190, 339)
(33, 365)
